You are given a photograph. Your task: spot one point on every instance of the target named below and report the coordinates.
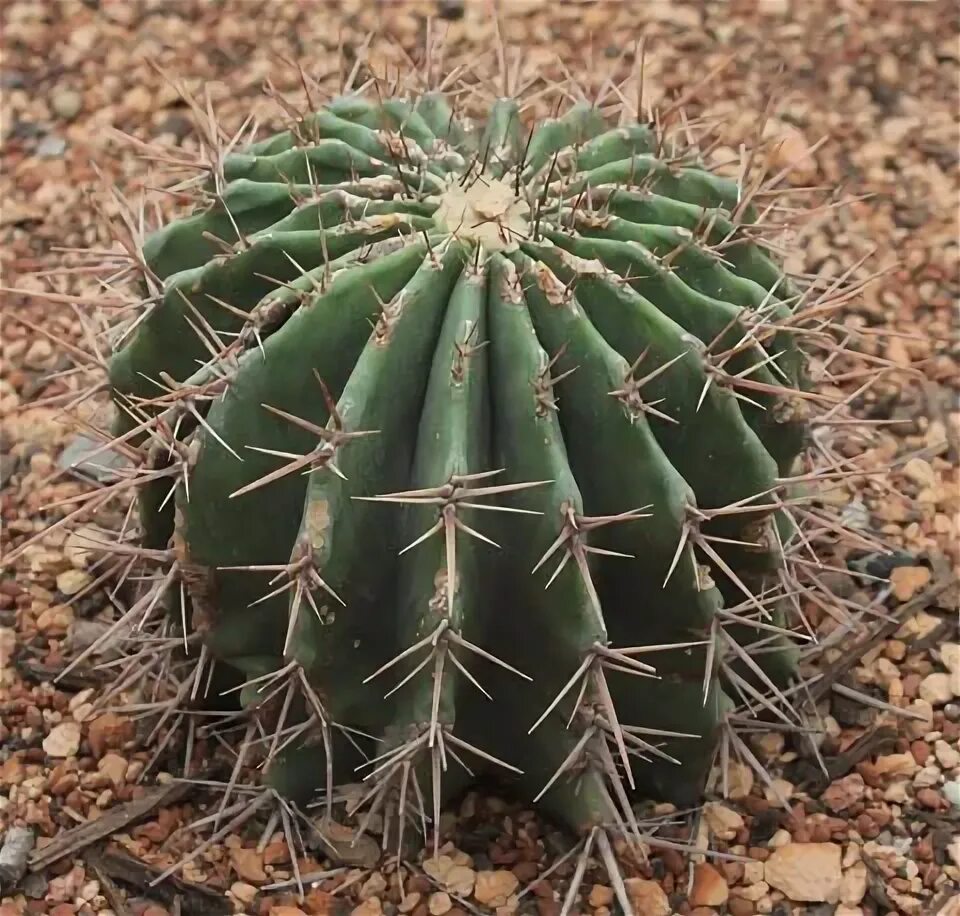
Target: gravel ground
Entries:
(879, 835)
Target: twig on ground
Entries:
(80, 837)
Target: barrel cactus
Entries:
(468, 443)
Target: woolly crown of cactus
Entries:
(468, 443)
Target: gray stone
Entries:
(79, 456)
(51, 147)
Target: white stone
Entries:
(8, 642)
(723, 822)
(896, 792)
(739, 780)
(885, 672)
(853, 885)
(831, 727)
(921, 472)
(115, 767)
(78, 699)
(851, 855)
(807, 872)
(950, 656)
(896, 765)
(39, 353)
(928, 776)
(778, 792)
(71, 581)
(916, 627)
(918, 727)
(780, 838)
(439, 903)
(939, 688)
(452, 874)
(947, 755)
(66, 102)
(907, 904)
(953, 850)
(770, 745)
(245, 893)
(63, 740)
(493, 888)
(81, 545)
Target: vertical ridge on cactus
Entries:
(472, 444)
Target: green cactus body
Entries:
(476, 433)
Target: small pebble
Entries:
(51, 147)
(66, 103)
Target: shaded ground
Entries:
(879, 79)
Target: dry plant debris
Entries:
(877, 835)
